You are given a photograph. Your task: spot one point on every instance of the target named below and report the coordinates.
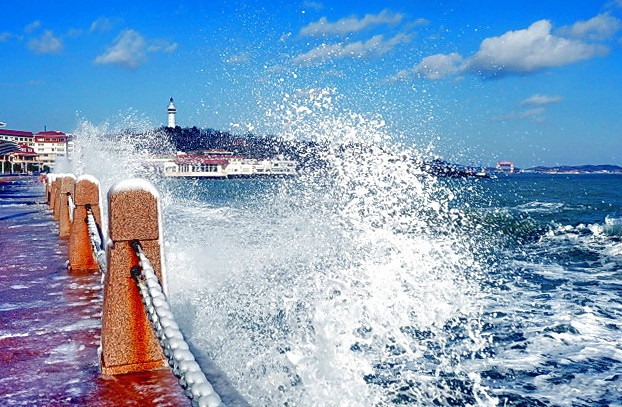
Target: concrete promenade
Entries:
(50, 320)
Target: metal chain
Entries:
(180, 358)
(71, 205)
(96, 239)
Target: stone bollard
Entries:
(48, 185)
(57, 195)
(67, 188)
(54, 194)
(80, 249)
(128, 341)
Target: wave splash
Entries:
(351, 285)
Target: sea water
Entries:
(504, 291)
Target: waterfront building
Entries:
(53, 145)
(23, 161)
(19, 137)
(196, 166)
(219, 163)
(171, 111)
(40, 150)
(506, 166)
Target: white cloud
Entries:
(599, 28)
(541, 100)
(74, 32)
(312, 5)
(515, 52)
(32, 26)
(130, 50)
(46, 44)
(161, 45)
(35, 82)
(535, 114)
(5, 36)
(350, 24)
(529, 50)
(439, 66)
(101, 24)
(373, 47)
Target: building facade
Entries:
(19, 137)
(38, 152)
(52, 146)
(506, 166)
(23, 161)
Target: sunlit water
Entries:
(372, 283)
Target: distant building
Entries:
(219, 163)
(171, 114)
(53, 145)
(505, 166)
(37, 151)
(19, 137)
(20, 160)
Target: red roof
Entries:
(22, 152)
(25, 150)
(24, 147)
(51, 133)
(16, 133)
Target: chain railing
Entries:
(177, 352)
(71, 205)
(96, 238)
(174, 347)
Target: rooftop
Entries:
(16, 133)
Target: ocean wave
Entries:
(540, 207)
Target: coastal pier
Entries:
(84, 316)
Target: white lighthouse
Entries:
(171, 114)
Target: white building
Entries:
(223, 164)
(53, 145)
(20, 137)
(171, 114)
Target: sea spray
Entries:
(366, 281)
(347, 286)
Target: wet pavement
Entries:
(50, 319)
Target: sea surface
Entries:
(388, 287)
(384, 289)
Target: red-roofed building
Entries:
(20, 137)
(24, 161)
(505, 166)
(53, 145)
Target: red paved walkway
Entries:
(50, 320)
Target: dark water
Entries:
(557, 320)
(510, 294)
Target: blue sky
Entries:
(481, 80)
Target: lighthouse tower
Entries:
(171, 114)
